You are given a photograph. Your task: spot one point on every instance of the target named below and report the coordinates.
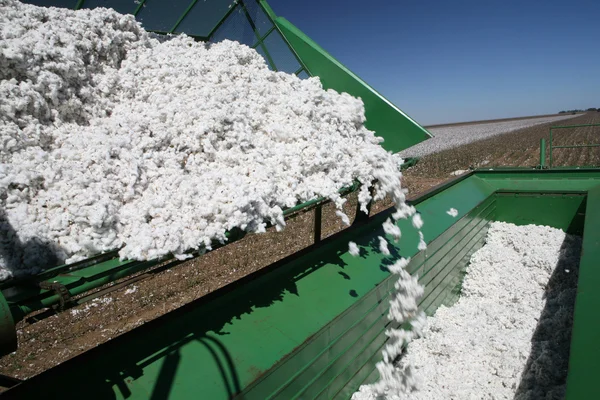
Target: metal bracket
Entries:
(61, 291)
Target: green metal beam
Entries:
(260, 40)
(185, 13)
(388, 121)
(573, 126)
(139, 7)
(582, 380)
(575, 147)
(263, 37)
(542, 153)
(222, 20)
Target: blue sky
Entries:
(448, 61)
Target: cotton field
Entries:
(448, 137)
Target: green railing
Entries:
(575, 146)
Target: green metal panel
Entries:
(388, 121)
(528, 180)
(565, 211)
(582, 381)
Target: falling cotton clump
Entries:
(111, 139)
(353, 249)
(453, 212)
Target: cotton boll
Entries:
(397, 379)
(422, 245)
(383, 246)
(403, 211)
(353, 249)
(343, 217)
(182, 257)
(453, 212)
(417, 221)
(399, 265)
(392, 229)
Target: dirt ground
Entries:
(46, 343)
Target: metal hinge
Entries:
(61, 291)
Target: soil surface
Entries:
(52, 340)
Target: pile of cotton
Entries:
(508, 336)
(112, 139)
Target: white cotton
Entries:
(453, 212)
(403, 211)
(417, 221)
(383, 246)
(390, 228)
(110, 139)
(459, 172)
(508, 335)
(399, 265)
(353, 249)
(422, 245)
(131, 290)
(98, 302)
(343, 217)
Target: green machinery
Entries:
(310, 325)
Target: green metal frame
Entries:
(553, 128)
(542, 153)
(585, 350)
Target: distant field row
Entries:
(451, 136)
(485, 121)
